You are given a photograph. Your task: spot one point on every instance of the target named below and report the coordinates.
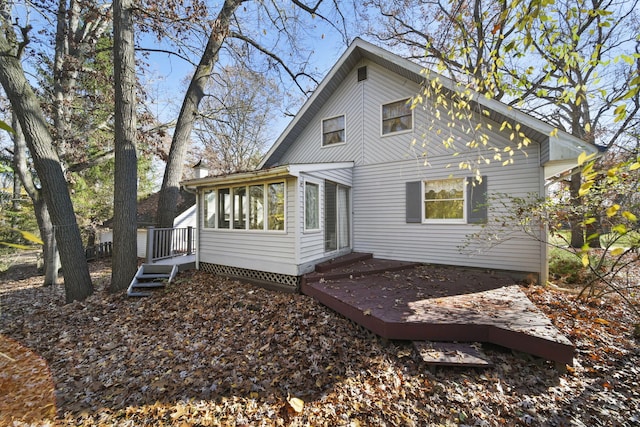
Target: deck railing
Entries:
(163, 243)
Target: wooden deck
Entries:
(405, 301)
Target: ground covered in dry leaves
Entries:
(208, 351)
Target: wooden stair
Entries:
(150, 276)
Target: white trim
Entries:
(398, 132)
(246, 186)
(462, 220)
(318, 184)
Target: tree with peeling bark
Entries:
(47, 163)
(126, 178)
(267, 19)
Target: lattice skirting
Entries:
(244, 273)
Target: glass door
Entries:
(337, 228)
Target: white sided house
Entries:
(359, 170)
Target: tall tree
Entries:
(47, 235)
(182, 135)
(46, 161)
(126, 178)
(278, 24)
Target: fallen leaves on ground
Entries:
(209, 351)
(26, 378)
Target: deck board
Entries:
(444, 304)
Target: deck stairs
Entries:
(150, 277)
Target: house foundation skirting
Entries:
(270, 280)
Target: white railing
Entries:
(163, 243)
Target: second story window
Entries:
(333, 131)
(397, 117)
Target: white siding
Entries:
(311, 243)
(380, 225)
(271, 251)
(361, 103)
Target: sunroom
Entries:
(273, 225)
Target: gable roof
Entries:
(560, 150)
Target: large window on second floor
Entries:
(397, 117)
(252, 207)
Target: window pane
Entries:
(444, 199)
(209, 209)
(396, 117)
(239, 208)
(330, 216)
(224, 208)
(449, 209)
(256, 207)
(343, 217)
(333, 131)
(311, 207)
(275, 206)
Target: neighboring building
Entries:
(146, 214)
(344, 176)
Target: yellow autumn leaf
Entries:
(584, 157)
(16, 246)
(585, 260)
(296, 404)
(611, 211)
(628, 215)
(620, 229)
(30, 237)
(584, 188)
(617, 251)
(634, 166)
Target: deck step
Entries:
(452, 354)
(154, 276)
(150, 276)
(342, 261)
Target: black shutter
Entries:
(477, 201)
(413, 201)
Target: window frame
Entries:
(205, 204)
(228, 192)
(322, 132)
(318, 185)
(405, 101)
(464, 199)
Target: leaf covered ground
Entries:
(209, 351)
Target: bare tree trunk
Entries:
(126, 160)
(47, 164)
(170, 189)
(49, 250)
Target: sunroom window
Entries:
(224, 208)
(253, 207)
(209, 214)
(275, 206)
(239, 208)
(311, 206)
(444, 199)
(256, 207)
(333, 131)
(396, 117)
